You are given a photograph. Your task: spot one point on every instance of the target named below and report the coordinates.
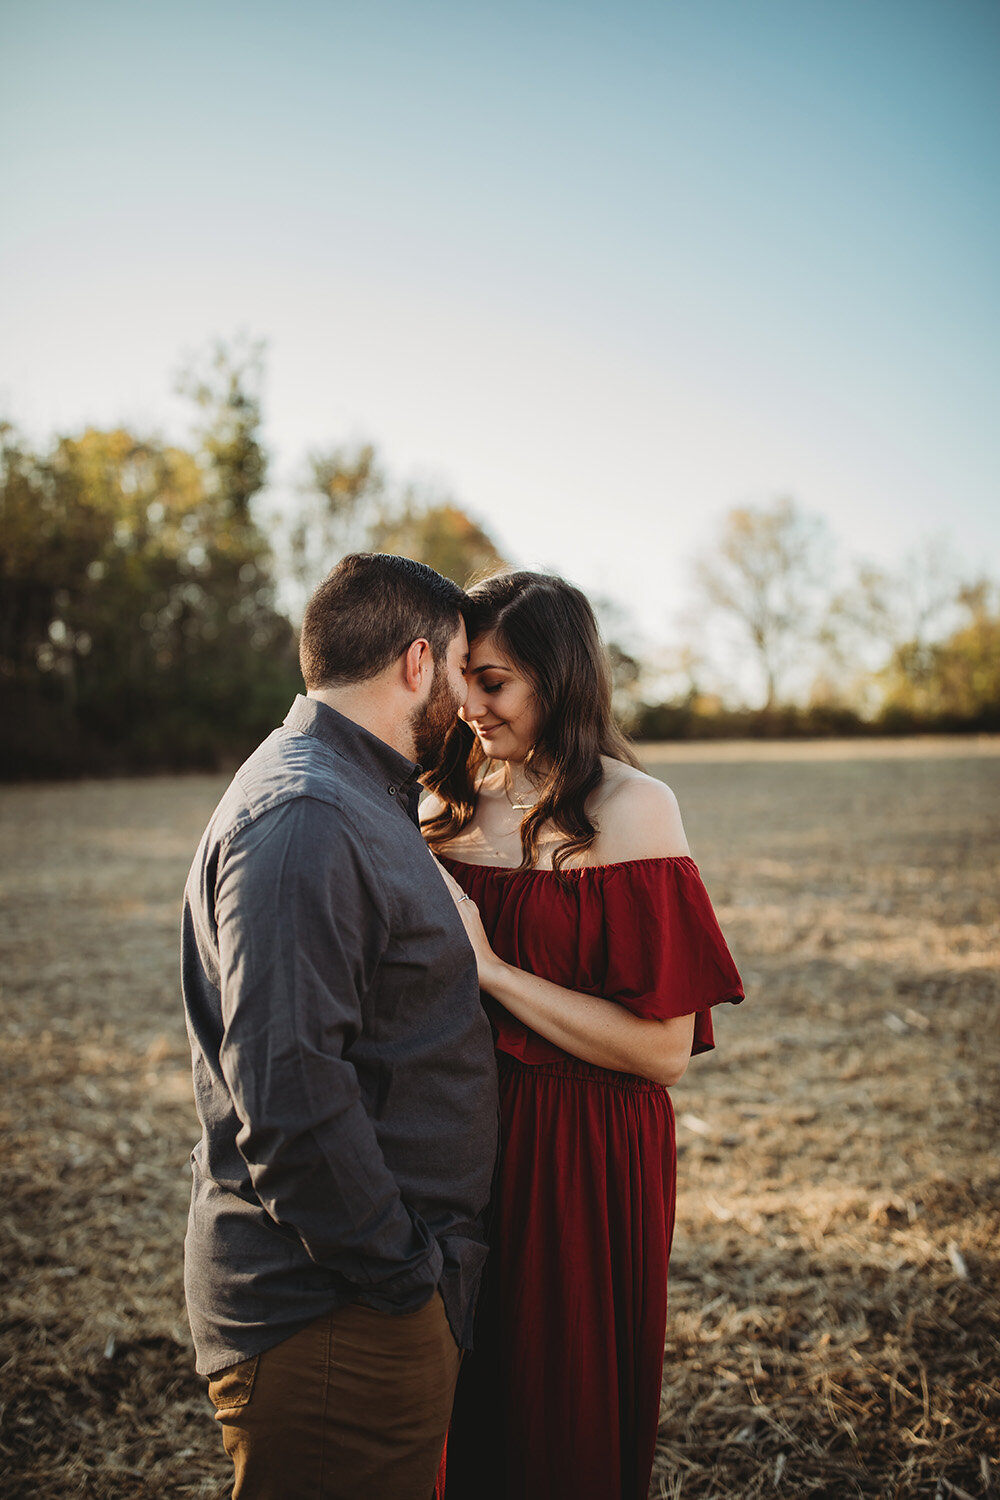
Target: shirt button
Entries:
(391, 790)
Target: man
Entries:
(343, 1067)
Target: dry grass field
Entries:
(835, 1320)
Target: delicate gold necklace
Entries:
(518, 806)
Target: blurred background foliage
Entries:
(139, 627)
(148, 608)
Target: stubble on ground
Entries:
(834, 1319)
(834, 1324)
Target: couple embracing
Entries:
(376, 992)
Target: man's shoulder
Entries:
(287, 768)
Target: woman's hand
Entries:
(490, 967)
(586, 1026)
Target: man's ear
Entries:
(418, 664)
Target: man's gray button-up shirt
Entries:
(343, 1067)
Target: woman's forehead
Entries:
(484, 652)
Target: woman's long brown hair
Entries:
(547, 629)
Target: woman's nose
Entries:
(473, 706)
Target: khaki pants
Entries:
(353, 1407)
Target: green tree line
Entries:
(145, 620)
(147, 612)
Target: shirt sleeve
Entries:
(302, 926)
(667, 956)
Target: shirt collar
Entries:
(393, 772)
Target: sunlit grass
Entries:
(834, 1321)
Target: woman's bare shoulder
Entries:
(430, 805)
(637, 817)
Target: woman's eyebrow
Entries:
(489, 667)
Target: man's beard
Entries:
(430, 724)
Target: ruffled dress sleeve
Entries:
(666, 955)
(641, 933)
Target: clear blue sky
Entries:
(601, 270)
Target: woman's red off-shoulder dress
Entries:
(560, 1398)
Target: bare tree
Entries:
(333, 510)
(766, 576)
(348, 503)
(881, 611)
(440, 534)
(625, 657)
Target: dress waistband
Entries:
(581, 1072)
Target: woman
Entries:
(599, 955)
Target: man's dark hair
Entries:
(368, 610)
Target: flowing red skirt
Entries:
(560, 1398)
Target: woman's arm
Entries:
(595, 1030)
(638, 820)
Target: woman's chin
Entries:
(502, 745)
